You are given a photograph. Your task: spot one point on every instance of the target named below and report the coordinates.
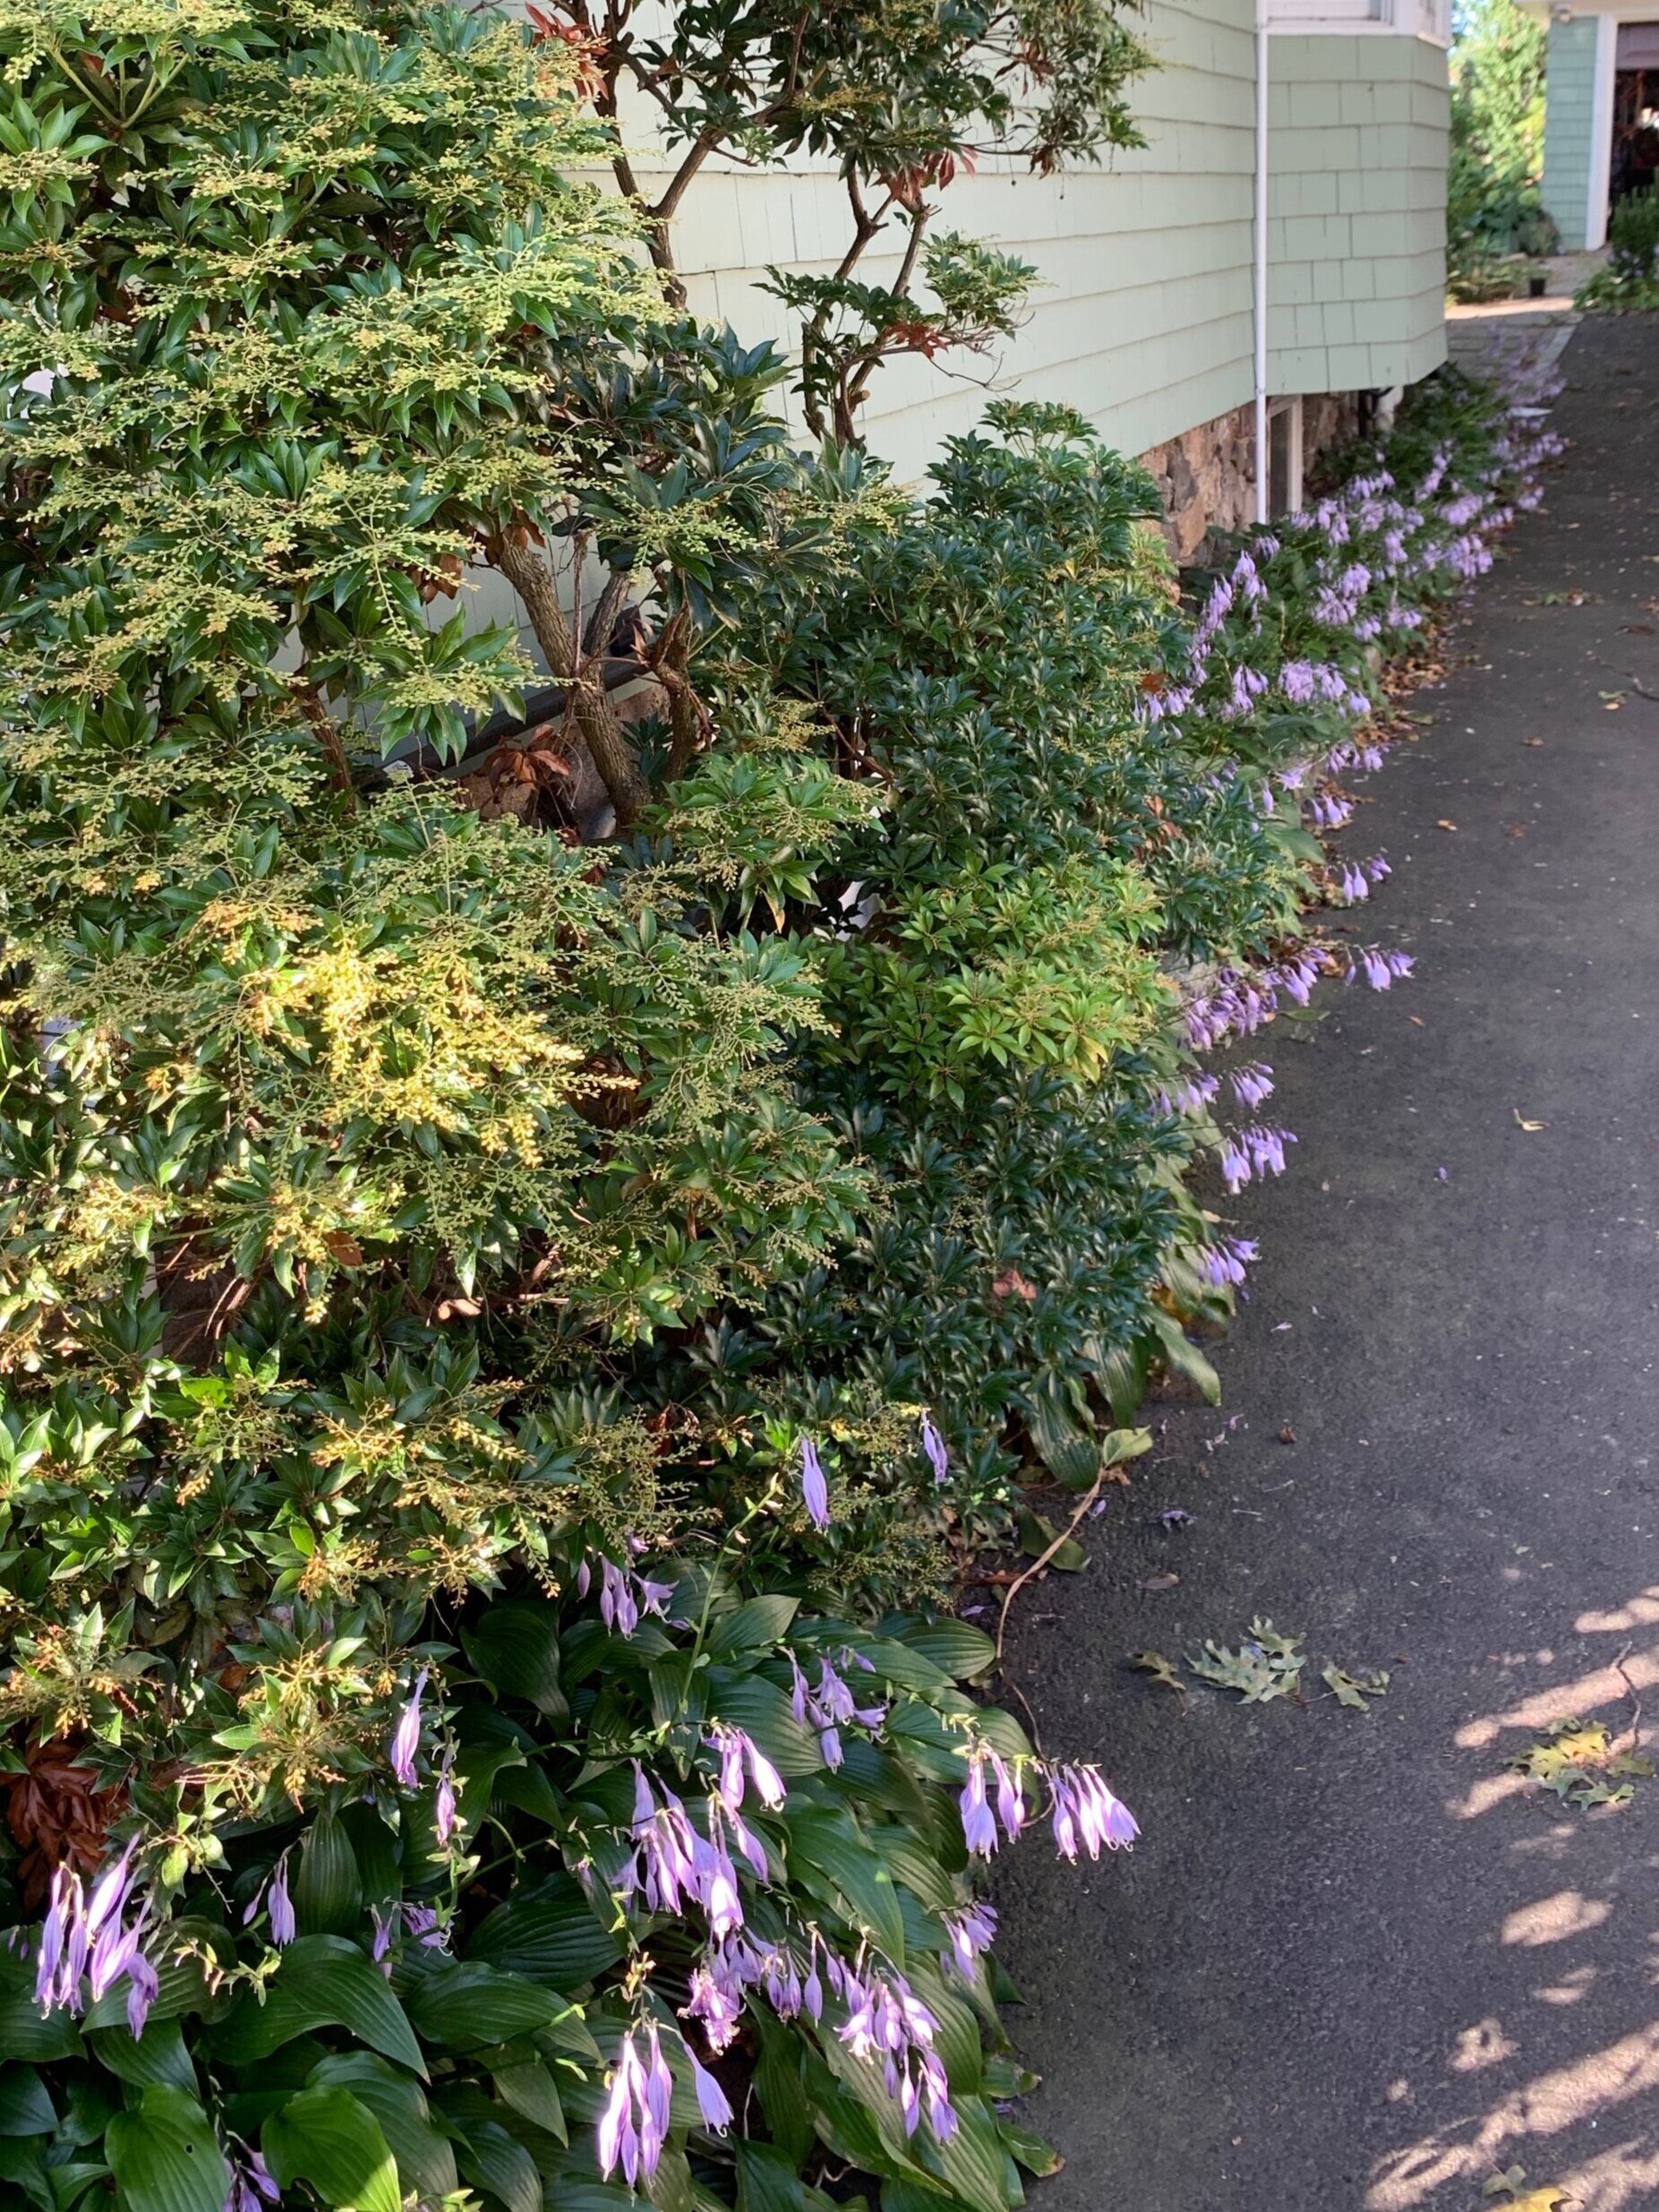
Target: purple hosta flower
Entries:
(1355, 582)
(1351, 884)
(280, 1905)
(1224, 1262)
(1192, 1095)
(972, 1930)
(814, 1487)
(1298, 683)
(1266, 1147)
(251, 2184)
(1332, 610)
(1293, 779)
(1368, 626)
(1248, 685)
(888, 2026)
(1329, 811)
(625, 1594)
(1296, 977)
(88, 1944)
(1254, 1151)
(1266, 544)
(1252, 1084)
(717, 1984)
(406, 1739)
(445, 1818)
(978, 1827)
(712, 2100)
(738, 1752)
(832, 1705)
(933, 1444)
(1381, 969)
(420, 1922)
(665, 1865)
(1086, 1811)
(273, 1895)
(633, 2124)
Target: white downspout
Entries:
(1261, 272)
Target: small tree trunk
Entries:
(527, 572)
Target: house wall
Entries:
(1143, 315)
(1568, 127)
(1356, 233)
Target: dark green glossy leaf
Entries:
(164, 2156)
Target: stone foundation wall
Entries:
(1207, 479)
(1206, 476)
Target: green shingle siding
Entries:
(1570, 106)
(1357, 200)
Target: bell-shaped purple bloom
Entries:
(280, 1905)
(445, 1817)
(933, 1444)
(406, 1739)
(972, 1930)
(814, 1487)
(712, 2100)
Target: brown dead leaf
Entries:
(1516, 829)
(1444, 824)
(1416, 1020)
(1287, 1434)
(1532, 740)
(342, 1248)
(1012, 1284)
(1521, 1124)
(1158, 1581)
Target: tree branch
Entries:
(527, 569)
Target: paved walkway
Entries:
(1355, 1965)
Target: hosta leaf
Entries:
(530, 2089)
(767, 2182)
(25, 2106)
(425, 2159)
(831, 1847)
(489, 2157)
(324, 1982)
(157, 2055)
(467, 2003)
(329, 2137)
(327, 1887)
(760, 1624)
(552, 1937)
(514, 1648)
(164, 2156)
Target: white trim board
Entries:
(1601, 132)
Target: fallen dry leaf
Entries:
(1515, 830)
(1522, 1124)
(1287, 1434)
(1418, 1021)
(1444, 824)
(1162, 1671)
(1532, 740)
(1158, 1581)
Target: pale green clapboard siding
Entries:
(1142, 318)
(1356, 227)
(1569, 103)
